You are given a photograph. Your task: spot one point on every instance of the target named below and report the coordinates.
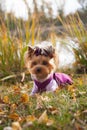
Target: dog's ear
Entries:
(53, 54)
(28, 55)
(51, 51)
(30, 51)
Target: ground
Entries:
(65, 109)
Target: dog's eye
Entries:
(44, 62)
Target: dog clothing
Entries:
(54, 81)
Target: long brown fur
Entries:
(44, 64)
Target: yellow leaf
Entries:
(6, 99)
(80, 81)
(25, 98)
(16, 126)
(71, 88)
(30, 118)
(43, 118)
(13, 107)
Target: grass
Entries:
(77, 31)
(15, 35)
(61, 110)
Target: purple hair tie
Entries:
(40, 51)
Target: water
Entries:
(65, 53)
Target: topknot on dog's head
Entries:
(48, 51)
(44, 48)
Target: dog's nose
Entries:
(38, 70)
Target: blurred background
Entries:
(62, 22)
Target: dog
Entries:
(42, 61)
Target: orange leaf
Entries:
(16, 89)
(1, 112)
(25, 98)
(14, 116)
(13, 107)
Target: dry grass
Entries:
(78, 33)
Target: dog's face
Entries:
(41, 66)
(40, 63)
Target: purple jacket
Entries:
(62, 79)
(55, 80)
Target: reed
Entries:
(15, 35)
(76, 30)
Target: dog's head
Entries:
(41, 61)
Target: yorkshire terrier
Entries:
(42, 61)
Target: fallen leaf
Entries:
(16, 126)
(71, 88)
(1, 101)
(49, 122)
(25, 98)
(28, 124)
(16, 89)
(43, 118)
(13, 107)
(45, 98)
(2, 112)
(82, 93)
(39, 102)
(1, 121)
(53, 110)
(78, 126)
(57, 89)
(14, 116)
(30, 118)
(6, 99)
(78, 113)
(23, 77)
(85, 111)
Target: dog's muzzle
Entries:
(38, 70)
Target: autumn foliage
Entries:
(63, 109)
